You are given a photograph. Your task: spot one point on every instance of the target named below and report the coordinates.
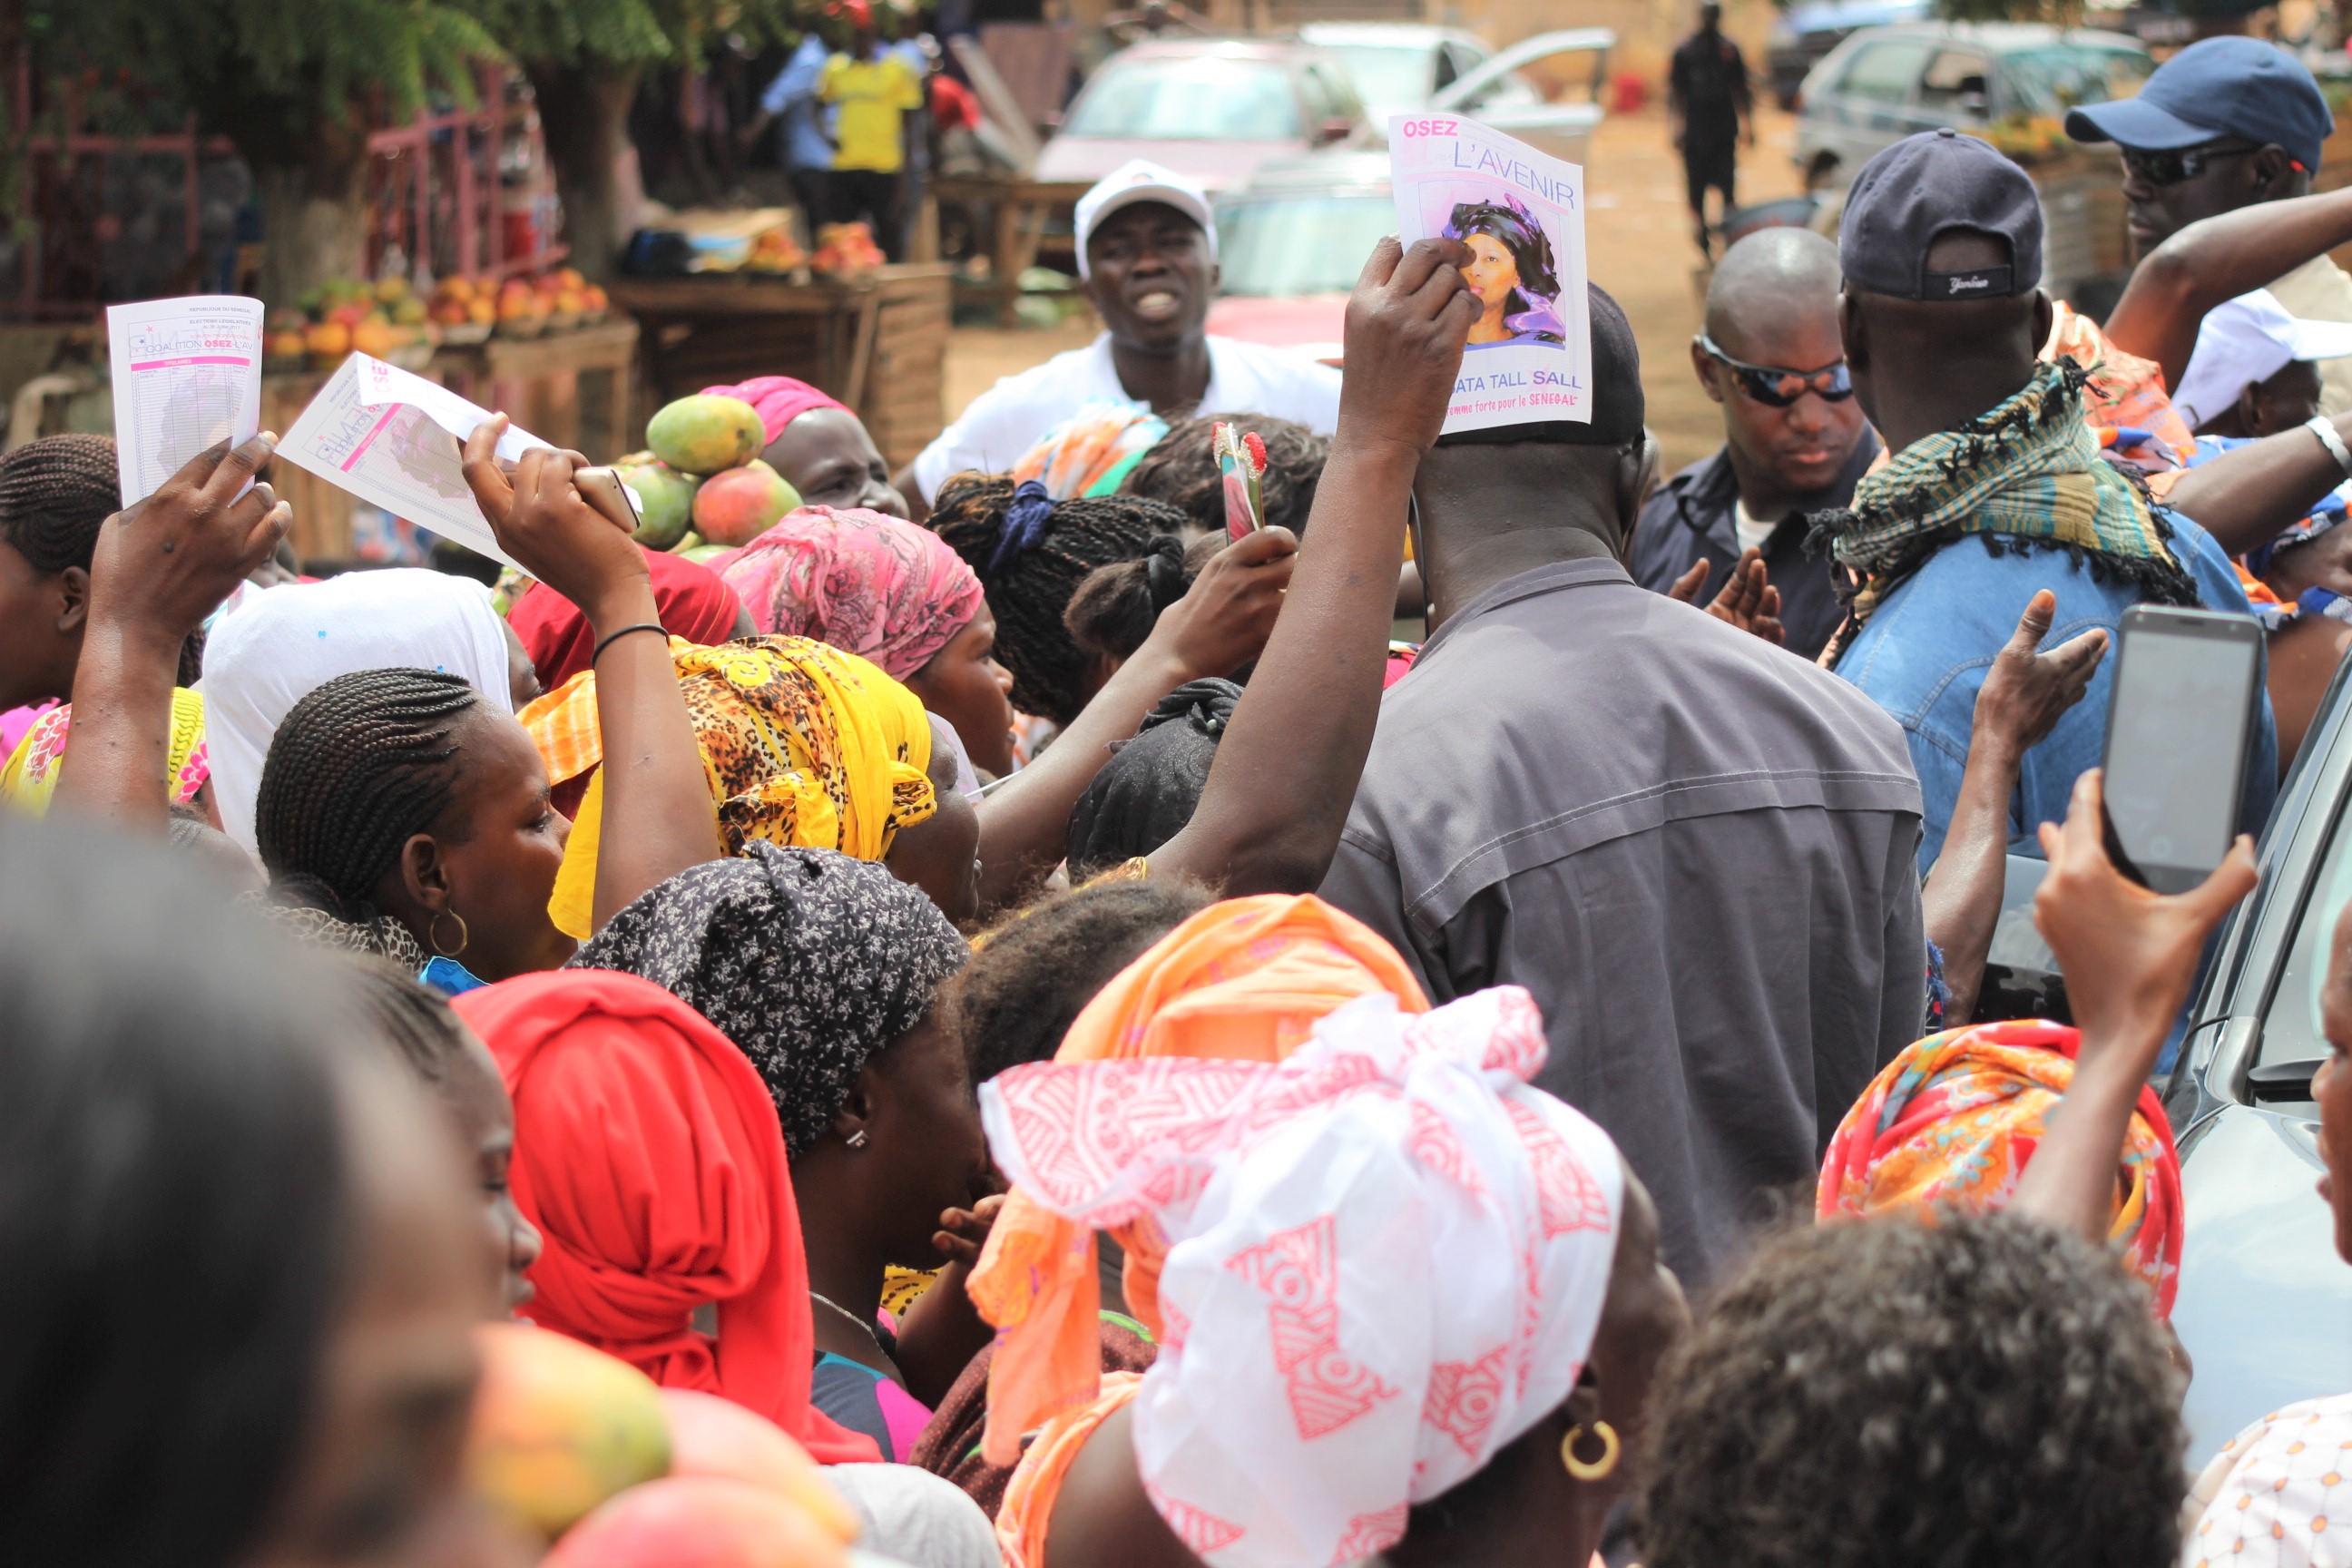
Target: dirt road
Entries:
(1639, 236)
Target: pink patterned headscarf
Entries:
(779, 398)
(879, 586)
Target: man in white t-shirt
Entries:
(1148, 260)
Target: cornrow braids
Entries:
(54, 494)
(360, 765)
(414, 1019)
(1028, 592)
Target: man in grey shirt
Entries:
(1694, 848)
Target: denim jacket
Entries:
(1925, 650)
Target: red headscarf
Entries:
(649, 1154)
(690, 599)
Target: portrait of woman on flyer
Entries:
(1512, 272)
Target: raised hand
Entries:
(2027, 691)
(963, 1232)
(1748, 601)
(542, 520)
(1407, 321)
(1223, 619)
(2128, 954)
(164, 564)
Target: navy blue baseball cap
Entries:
(2221, 87)
(1922, 188)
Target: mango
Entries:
(703, 434)
(709, 1435)
(697, 1521)
(667, 497)
(559, 1427)
(735, 507)
(704, 555)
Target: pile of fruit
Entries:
(578, 1450)
(378, 318)
(774, 249)
(846, 250)
(700, 483)
(521, 307)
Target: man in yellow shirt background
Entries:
(873, 90)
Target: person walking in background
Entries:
(806, 150)
(1709, 105)
(874, 90)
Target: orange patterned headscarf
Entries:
(1951, 1122)
(1245, 980)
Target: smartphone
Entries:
(2180, 729)
(602, 489)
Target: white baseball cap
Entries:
(2248, 340)
(1141, 180)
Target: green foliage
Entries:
(252, 69)
(565, 33)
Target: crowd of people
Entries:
(1041, 998)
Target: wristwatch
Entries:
(2324, 427)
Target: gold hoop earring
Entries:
(1593, 1469)
(433, 934)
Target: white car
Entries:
(1401, 67)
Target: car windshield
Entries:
(2047, 82)
(1207, 100)
(2291, 1027)
(1311, 244)
(1390, 76)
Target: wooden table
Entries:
(878, 343)
(1020, 210)
(572, 388)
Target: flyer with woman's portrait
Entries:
(1522, 214)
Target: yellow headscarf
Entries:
(30, 777)
(803, 743)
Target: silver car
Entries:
(1403, 66)
(2265, 1305)
(2011, 83)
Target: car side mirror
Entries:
(2281, 1081)
(1337, 128)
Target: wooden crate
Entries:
(570, 388)
(879, 343)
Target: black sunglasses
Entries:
(1778, 388)
(2172, 167)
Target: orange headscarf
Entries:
(1245, 980)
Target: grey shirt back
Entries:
(1694, 848)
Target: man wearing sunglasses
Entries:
(2227, 123)
(1794, 437)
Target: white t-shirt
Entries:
(1752, 533)
(1007, 419)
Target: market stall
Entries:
(877, 341)
(1013, 213)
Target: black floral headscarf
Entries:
(809, 961)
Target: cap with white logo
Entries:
(2245, 341)
(1140, 180)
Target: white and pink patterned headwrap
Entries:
(1386, 1259)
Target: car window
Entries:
(1315, 94)
(1452, 65)
(1884, 73)
(1339, 88)
(1952, 75)
(1300, 245)
(1189, 100)
(1390, 76)
(2291, 1028)
(2045, 82)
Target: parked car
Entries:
(1403, 67)
(2011, 83)
(1215, 109)
(2265, 1302)
(1290, 244)
(1803, 33)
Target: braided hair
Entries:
(1116, 605)
(359, 766)
(54, 494)
(415, 1019)
(1032, 553)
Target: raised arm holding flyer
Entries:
(1522, 214)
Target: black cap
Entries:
(1922, 188)
(1617, 407)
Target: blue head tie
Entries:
(1026, 516)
